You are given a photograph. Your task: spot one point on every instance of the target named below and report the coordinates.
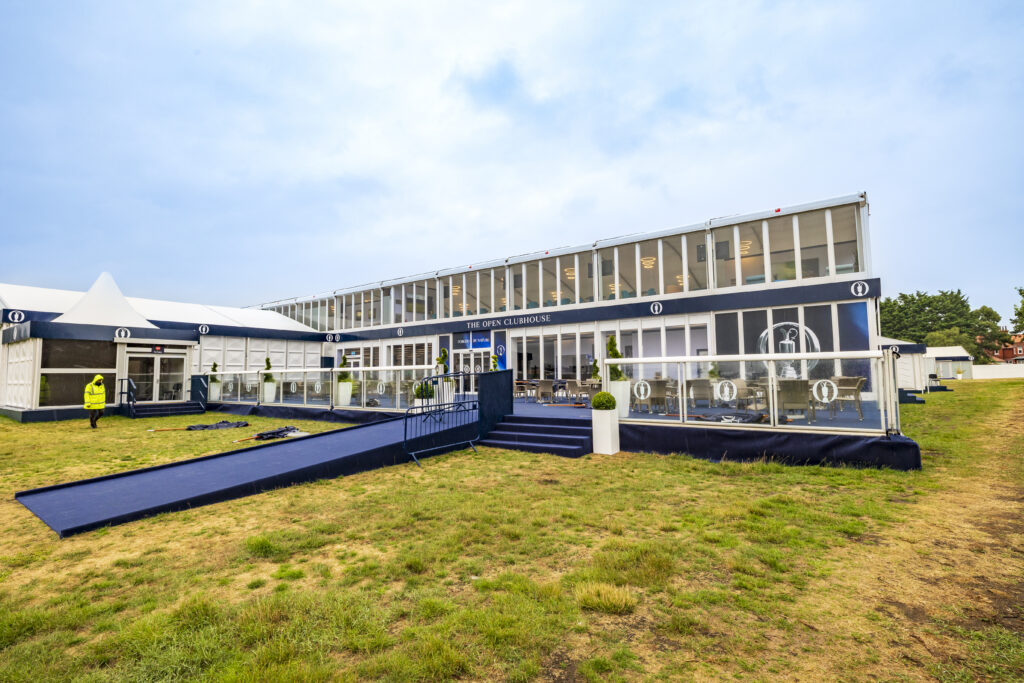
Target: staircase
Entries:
(166, 409)
(568, 437)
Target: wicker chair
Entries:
(545, 387)
(700, 390)
(795, 394)
(849, 391)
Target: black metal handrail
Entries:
(441, 419)
(439, 414)
(127, 390)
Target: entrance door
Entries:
(157, 378)
(142, 371)
(170, 378)
(471, 362)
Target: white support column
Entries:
(686, 264)
(739, 332)
(736, 254)
(661, 271)
(796, 247)
(636, 270)
(664, 348)
(830, 243)
(576, 280)
(540, 291)
(522, 304)
(558, 355)
(767, 253)
(709, 263)
(579, 366)
(558, 286)
(615, 278)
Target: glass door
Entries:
(170, 378)
(141, 371)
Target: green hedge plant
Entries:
(614, 371)
(603, 401)
(267, 376)
(344, 375)
(213, 378)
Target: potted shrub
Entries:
(446, 386)
(605, 423)
(494, 363)
(269, 383)
(343, 394)
(959, 373)
(423, 393)
(214, 384)
(618, 383)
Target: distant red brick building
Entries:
(1012, 352)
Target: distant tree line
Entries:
(947, 319)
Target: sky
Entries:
(236, 153)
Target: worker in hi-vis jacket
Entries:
(95, 399)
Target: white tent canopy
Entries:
(108, 306)
(104, 304)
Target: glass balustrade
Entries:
(827, 392)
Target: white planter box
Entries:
(445, 392)
(620, 390)
(343, 394)
(214, 392)
(606, 431)
(269, 392)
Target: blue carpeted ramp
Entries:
(80, 506)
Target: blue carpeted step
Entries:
(532, 447)
(169, 409)
(539, 437)
(567, 421)
(529, 427)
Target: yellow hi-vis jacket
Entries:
(95, 394)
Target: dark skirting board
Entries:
(789, 447)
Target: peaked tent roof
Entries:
(104, 304)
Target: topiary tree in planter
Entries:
(614, 371)
(269, 383)
(618, 384)
(494, 363)
(605, 423)
(214, 383)
(595, 370)
(343, 393)
(447, 385)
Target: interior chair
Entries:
(700, 390)
(849, 392)
(795, 394)
(545, 388)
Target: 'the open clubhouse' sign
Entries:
(510, 321)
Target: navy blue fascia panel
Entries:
(857, 290)
(165, 331)
(906, 348)
(15, 316)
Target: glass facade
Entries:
(819, 243)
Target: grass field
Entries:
(508, 565)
